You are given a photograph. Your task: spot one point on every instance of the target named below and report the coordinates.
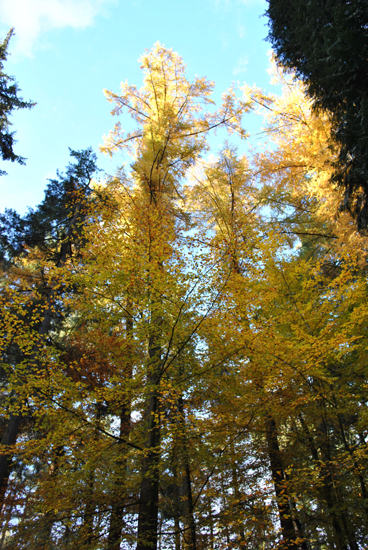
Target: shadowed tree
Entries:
(9, 101)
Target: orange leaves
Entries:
(195, 312)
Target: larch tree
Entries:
(171, 135)
(319, 287)
(139, 293)
(288, 326)
(204, 386)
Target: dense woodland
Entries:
(184, 344)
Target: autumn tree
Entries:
(28, 245)
(171, 136)
(286, 322)
(140, 318)
(327, 271)
(204, 385)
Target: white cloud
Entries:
(31, 18)
(241, 66)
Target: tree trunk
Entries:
(327, 484)
(189, 523)
(225, 507)
(177, 500)
(9, 438)
(119, 493)
(278, 475)
(148, 500)
(87, 530)
(235, 483)
(356, 469)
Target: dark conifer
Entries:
(46, 225)
(326, 43)
(9, 100)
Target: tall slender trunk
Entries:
(189, 523)
(119, 493)
(278, 475)
(327, 486)
(87, 529)
(357, 470)
(116, 522)
(177, 499)
(89, 510)
(332, 498)
(148, 499)
(149, 491)
(225, 507)
(8, 440)
(235, 484)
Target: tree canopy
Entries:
(326, 43)
(183, 351)
(9, 100)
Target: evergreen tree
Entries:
(52, 231)
(46, 226)
(326, 43)
(9, 100)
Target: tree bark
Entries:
(149, 491)
(356, 469)
(9, 438)
(117, 510)
(278, 475)
(119, 494)
(327, 484)
(189, 523)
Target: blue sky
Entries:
(66, 52)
